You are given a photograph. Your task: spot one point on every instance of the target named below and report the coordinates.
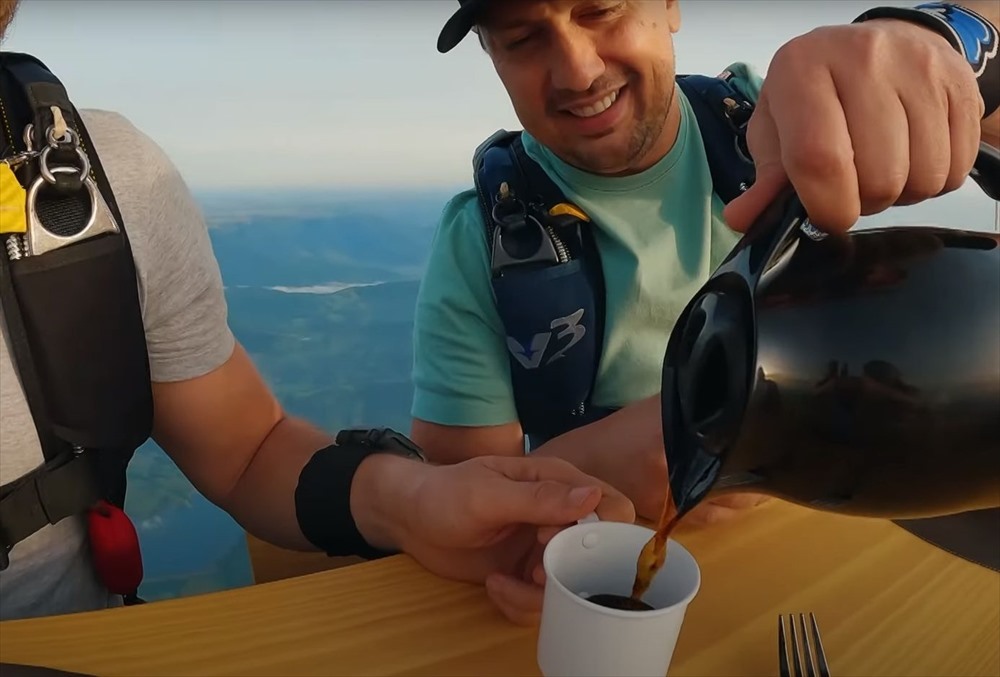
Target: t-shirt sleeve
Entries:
(184, 305)
(461, 374)
(747, 80)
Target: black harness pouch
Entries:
(83, 325)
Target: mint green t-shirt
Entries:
(660, 234)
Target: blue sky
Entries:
(321, 93)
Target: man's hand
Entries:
(859, 118)
(723, 508)
(625, 450)
(485, 520)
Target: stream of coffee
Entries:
(654, 553)
(650, 561)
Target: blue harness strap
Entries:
(546, 271)
(722, 113)
(548, 286)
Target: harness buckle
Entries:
(521, 241)
(519, 237)
(41, 240)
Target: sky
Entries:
(321, 93)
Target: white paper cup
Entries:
(579, 638)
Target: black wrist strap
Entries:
(975, 38)
(323, 501)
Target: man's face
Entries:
(591, 79)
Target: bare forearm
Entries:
(263, 499)
(624, 449)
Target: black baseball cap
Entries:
(460, 23)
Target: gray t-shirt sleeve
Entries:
(184, 305)
(186, 315)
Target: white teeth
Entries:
(597, 108)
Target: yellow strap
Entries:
(567, 208)
(12, 200)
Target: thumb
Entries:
(741, 213)
(765, 148)
(547, 502)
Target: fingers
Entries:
(709, 515)
(519, 602)
(740, 501)
(723, 509)
(539, 468)
(965, 133)
(545, 502)
(547, 491)
(799, 134)
(816, 149)
(546, 534)
(765, 148)
(929, 148)
(965, 113)
(538, 575)
(615, 506)
(881, 138)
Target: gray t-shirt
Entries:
(185, 316)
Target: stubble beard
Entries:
(645, 135)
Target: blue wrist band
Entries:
(975, 38)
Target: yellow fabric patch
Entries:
(12, 200)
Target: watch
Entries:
(384, 440)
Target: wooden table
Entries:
(887, 603)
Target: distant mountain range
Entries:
(302, 240)
(321, 294)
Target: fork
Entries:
(813, 666)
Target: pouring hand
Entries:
(859, 118)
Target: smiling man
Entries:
(622, 172)
(609, 111)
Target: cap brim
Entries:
(458, 26)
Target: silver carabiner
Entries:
(18, 159)
(29, 131)
(47, 172)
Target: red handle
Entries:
(115, 548)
